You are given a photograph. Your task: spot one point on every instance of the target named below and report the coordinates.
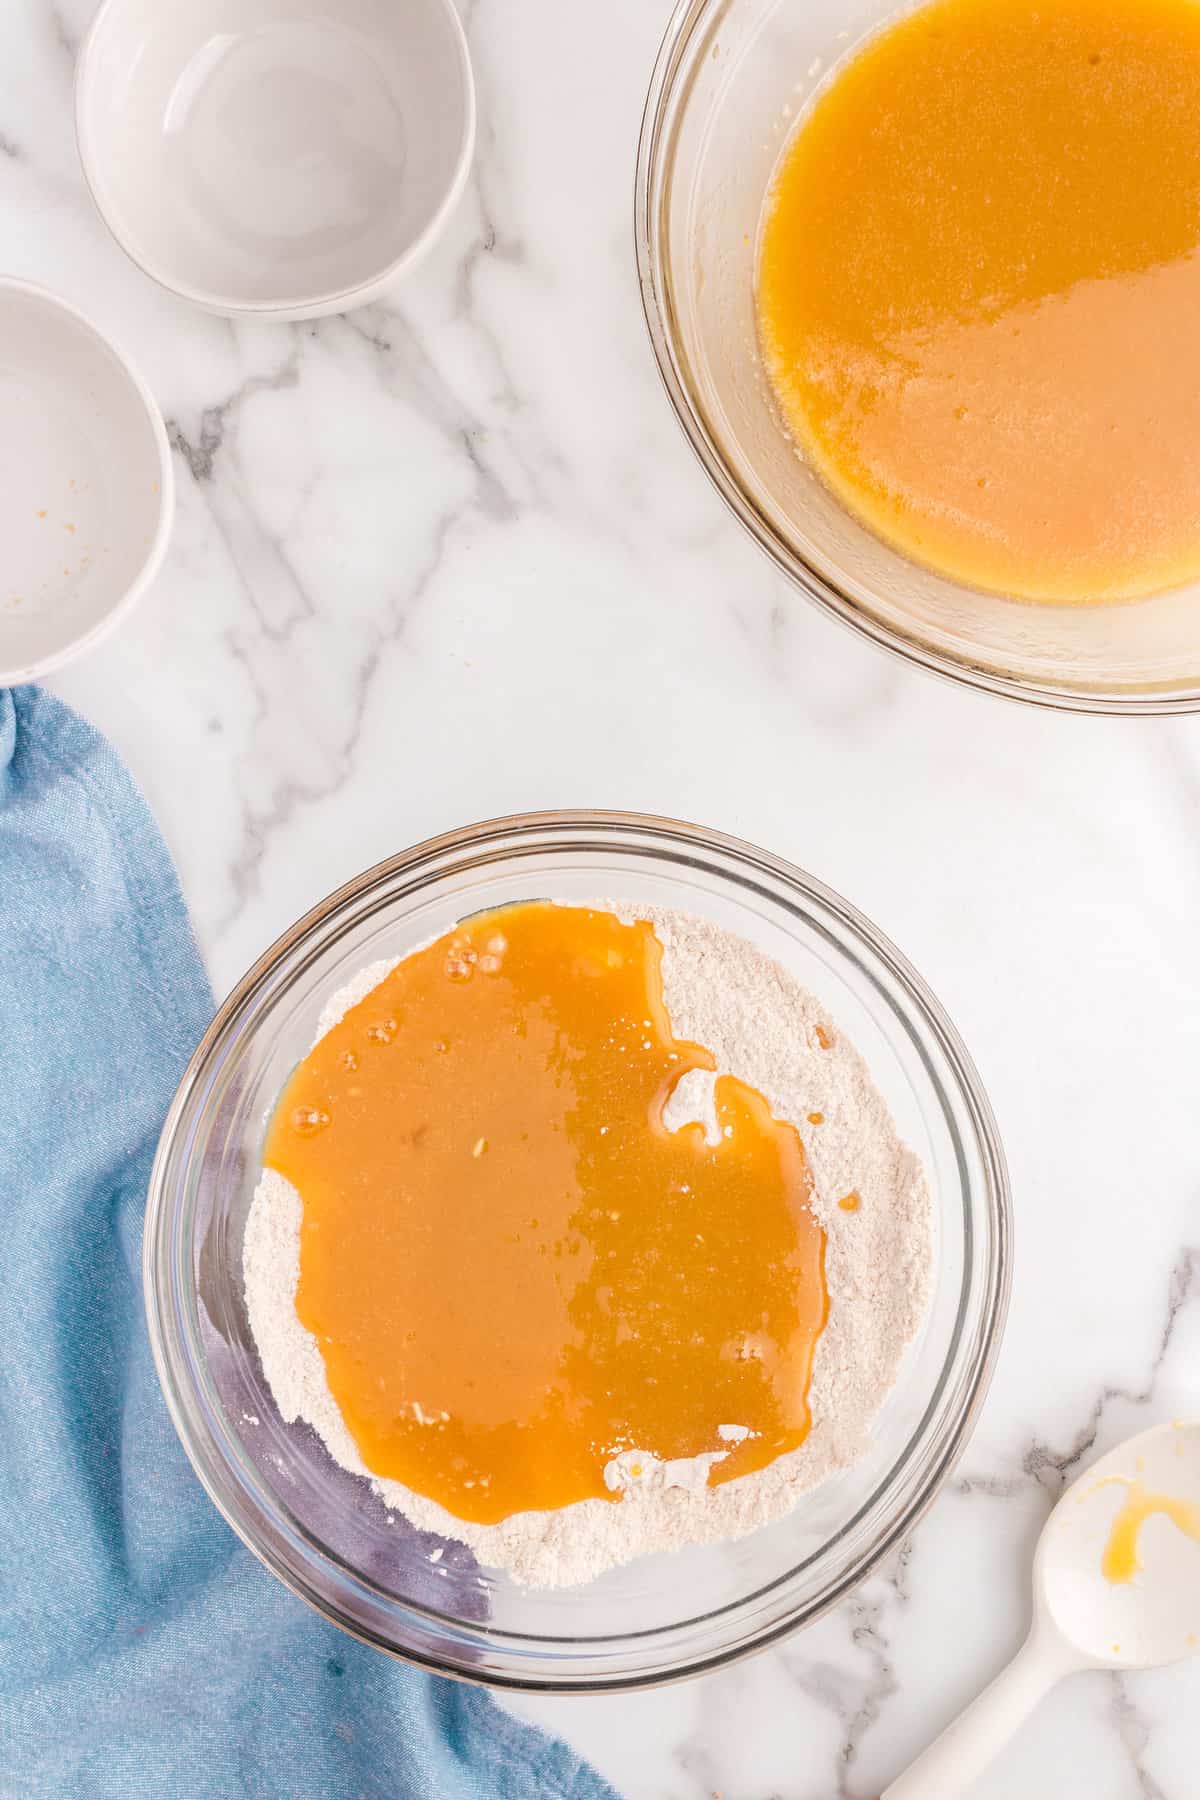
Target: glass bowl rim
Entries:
(991, 1212)
(655, 153)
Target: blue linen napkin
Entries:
(143, 1651)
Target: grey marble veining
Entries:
(450, 557)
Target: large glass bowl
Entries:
(730, 81)
(321, 1530)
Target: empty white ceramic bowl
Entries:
(275, 157)
(87, 495)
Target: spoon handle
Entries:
(965, 1748)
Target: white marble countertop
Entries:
(450, 558)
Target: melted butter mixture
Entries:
(979, 289)
(1121, 1561)
(514, 1270)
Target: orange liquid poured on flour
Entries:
(979, 292)
(514, 1269)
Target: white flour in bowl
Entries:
(763, 1027)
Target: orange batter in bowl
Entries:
(514, 1270)
(979, 291)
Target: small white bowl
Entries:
(284, 158)
(87, 495)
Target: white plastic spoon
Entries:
(1083, 1617)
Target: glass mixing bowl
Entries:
(322, 1531)
(731, 79)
